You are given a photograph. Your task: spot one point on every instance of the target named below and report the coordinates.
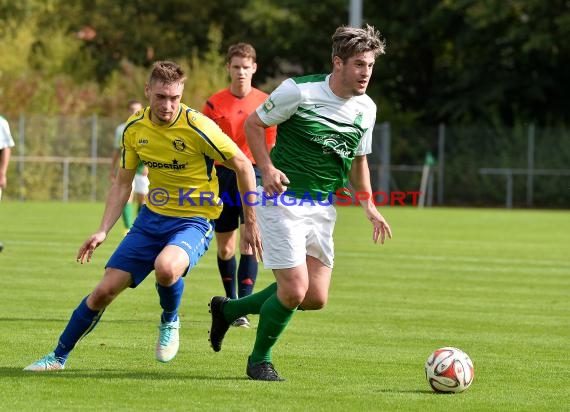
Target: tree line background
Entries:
(494, 65)
(454, 61)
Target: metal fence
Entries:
(67, 159)
(476, 166)
(61, 158)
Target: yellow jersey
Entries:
(180, 159)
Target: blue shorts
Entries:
(150, 233)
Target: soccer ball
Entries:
(449, 370)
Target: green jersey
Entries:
(318, 134)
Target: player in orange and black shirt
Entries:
(229, 108)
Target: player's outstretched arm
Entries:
(360, 181)
(114, 164)
(116, 199)
(88, 247)
(381, 226)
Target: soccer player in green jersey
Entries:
(173, 230)
(324, 131)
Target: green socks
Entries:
(128, 215)
(248, 305)
(273, 319)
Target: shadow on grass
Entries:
(112, 374)
(424, 391)
(30, 319)
(121, 321)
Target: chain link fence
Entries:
(67, 159)
(476, 166)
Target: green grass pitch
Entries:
(495, 283)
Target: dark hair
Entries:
(241, 50)
(350, 41)
(166, 72)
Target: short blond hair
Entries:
(166, 72)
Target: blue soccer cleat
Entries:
(168, 341)
(47, 363)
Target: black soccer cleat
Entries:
(219, 324)
(263, 372)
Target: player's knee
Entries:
(101, 297)
(167, 271)
(292, 298)
(226, 251)
(166, 277)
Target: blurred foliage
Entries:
(485, 68)
(454, 61)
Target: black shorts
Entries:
(232, 213)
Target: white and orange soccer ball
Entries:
(449, 370)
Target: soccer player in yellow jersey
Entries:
(179, 146)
